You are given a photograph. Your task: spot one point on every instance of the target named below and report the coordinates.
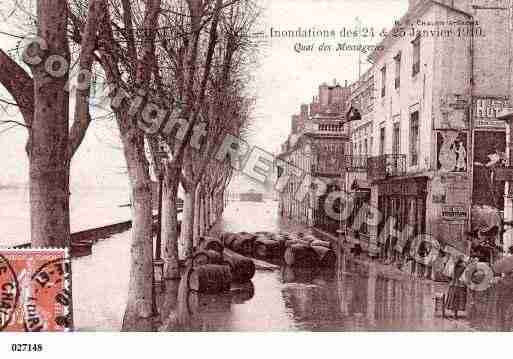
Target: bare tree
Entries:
(44, 104)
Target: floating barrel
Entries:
(242, 268)
(321, 243)
(211, 243)
(280, 239)
(243, 244)
(242, 292)
(300, 255)
(210, 278)
(228, 239)
(267, 248)
(294, 242)
(264, 234)
(326, 256)
(308, 238)
(207, 257)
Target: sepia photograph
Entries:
(255, 166)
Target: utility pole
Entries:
(507, 115)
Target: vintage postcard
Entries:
(256, 165)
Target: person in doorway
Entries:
(457, 294)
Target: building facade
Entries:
(316, 149)
(429, 129)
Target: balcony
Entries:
(385, 166)
(356, 163)
(336, 128)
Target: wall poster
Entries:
(452, 154)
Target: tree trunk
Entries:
(204, 220)
(48, 143)
(170, 230)
(206, 211)
(211, 209)
(185, 246)
(196, 230)
(138, 314)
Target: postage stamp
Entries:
(35, 290)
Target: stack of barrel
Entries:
(305, 250)
(296, 249)
(213, 270)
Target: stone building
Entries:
(429, 128)
(316, 148)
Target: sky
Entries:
(283, 79)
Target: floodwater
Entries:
(354, 296)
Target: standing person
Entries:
(457, 295)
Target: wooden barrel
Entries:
(207, 257)
(300, 255)
(327, 257)
(264, 234)
(244, 244)
(211, 243)
(242, 268)
(309, 238)
(321, 243)
(228, 239)
(294, 242)
(266, 248)
(280, 239)
(210, 278)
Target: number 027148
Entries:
(27, 347)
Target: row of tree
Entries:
(182, 59)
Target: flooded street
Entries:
(354, 296)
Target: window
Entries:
(366, 147)
(414, 138)
(383, 81)
(416, 56)
(397, 60)
(382, 141)
(396, 138)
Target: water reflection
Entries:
(355, 296)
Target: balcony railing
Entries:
(335, 128)
(385, 166)
(356, 163)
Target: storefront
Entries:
(322, 218)
(403, 203)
